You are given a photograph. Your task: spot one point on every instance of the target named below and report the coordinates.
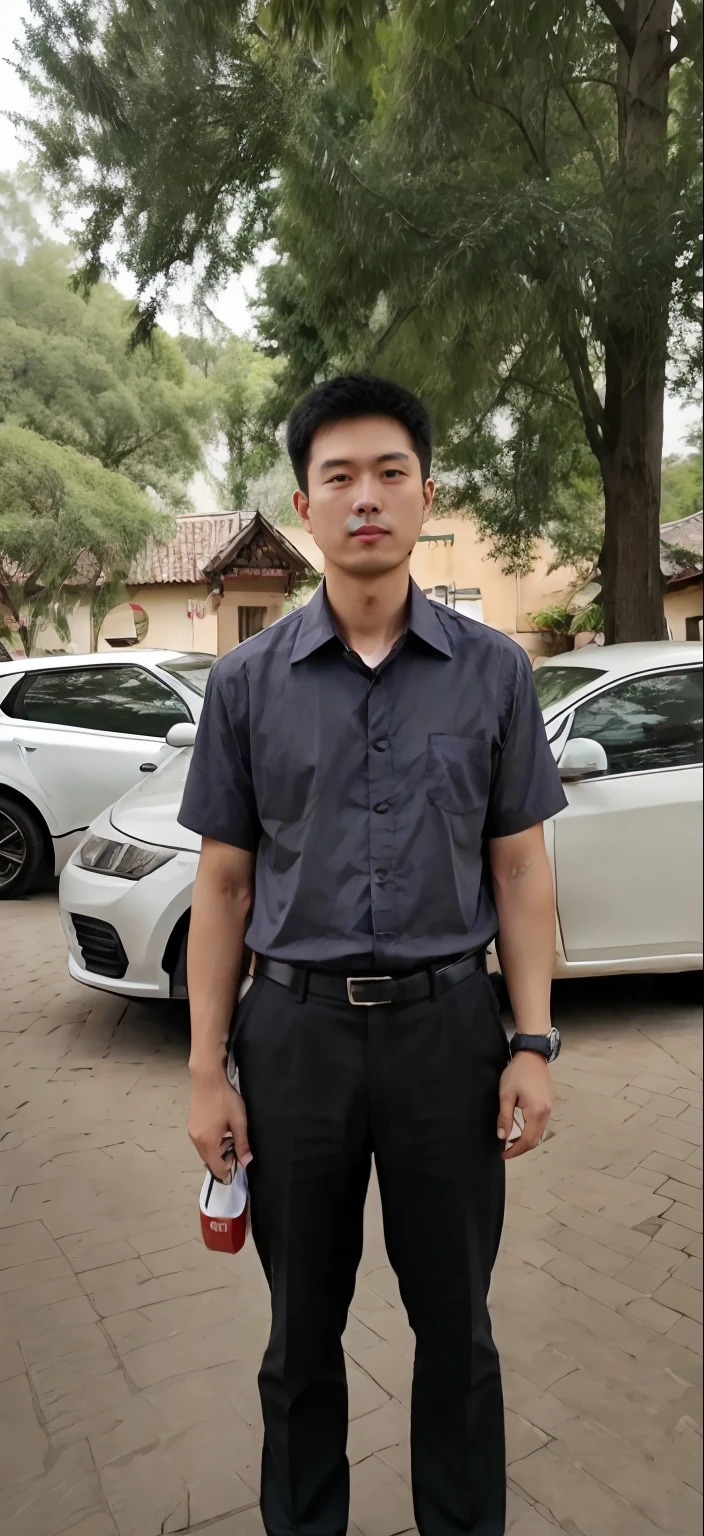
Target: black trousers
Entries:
(327, 1086)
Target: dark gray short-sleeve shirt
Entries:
(368, 796)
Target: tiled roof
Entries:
(197, 539)
(681, 538)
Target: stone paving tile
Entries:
(129, 1355)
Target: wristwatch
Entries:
(544, 1045)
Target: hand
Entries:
(524, 1085)
(217, 1110)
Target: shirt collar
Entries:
(317, 625)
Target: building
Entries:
(453, 564)
(681, 544)
(226, 575)
(222, 577)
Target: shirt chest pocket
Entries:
(458, 773)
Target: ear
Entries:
(300, 502)
(428, 494)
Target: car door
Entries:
(85, 734)
(628, 848)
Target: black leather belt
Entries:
(372, 991)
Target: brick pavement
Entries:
(128, 1354)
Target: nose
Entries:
(368, 501)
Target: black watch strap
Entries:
(543, 1045)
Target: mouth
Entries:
(370, 534)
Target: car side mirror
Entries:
(582, 759)
(183, 734)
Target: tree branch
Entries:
(118, 456)
(515, 117)
(590, 136)
(613, 13)
(394, 326)
(550, 394)
(593, 80)
(573, 349)
(682, 50)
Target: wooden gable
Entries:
(258, 550)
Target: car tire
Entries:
(21, 849)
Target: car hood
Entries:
(149, 811)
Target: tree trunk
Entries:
(637, 302)
(631, 579)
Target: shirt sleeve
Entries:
(218, 800)
(526, 786)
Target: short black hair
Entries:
(346, 398)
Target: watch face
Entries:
(555, 1044)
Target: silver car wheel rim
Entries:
(13, 849)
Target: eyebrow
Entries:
(382, 458)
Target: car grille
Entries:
(100, 946)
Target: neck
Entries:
(370, 614)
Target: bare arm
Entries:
(525, 902)
(222, 897)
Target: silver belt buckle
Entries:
(355, 981)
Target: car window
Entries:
(128, 700)
(192, 669)
(648, 722)
(554, 684)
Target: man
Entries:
(370, 778)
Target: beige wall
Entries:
(506, 601)
(170, 625)
(680, 606)
(228, 614)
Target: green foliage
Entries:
(240, 390)
(561, 622)
(681, 486)
(497, 204)
(557, 620)
(64, 519)
(588, 621)
(163, 121)
(302, 594)
(66, 373)
(243, 383)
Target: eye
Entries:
(394, 472)
(337, 479)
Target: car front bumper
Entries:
(141, 914)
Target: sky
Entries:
(231, 305)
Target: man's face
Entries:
(366, 501)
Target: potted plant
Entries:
(555, 625)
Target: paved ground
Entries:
(128, 1354)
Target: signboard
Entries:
(255, 570)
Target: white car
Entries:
(75, 733)
(625, 725)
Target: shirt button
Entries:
(381, 745)
(380, 875)
(381, 808)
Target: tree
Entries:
(509, 218)
(66, 523)
(241, 383)
(499, 204)
(66, 371)
(682, 482)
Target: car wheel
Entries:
(21, 849)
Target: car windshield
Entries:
(192, 668)
(556, 683)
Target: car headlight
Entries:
(127, 860)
